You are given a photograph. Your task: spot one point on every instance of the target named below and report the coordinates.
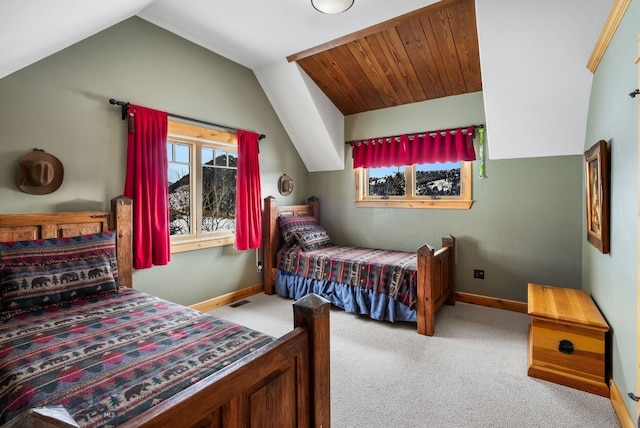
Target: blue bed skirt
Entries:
(352, 299)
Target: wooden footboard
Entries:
(284, 384)
(436, 282)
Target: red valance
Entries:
(451, 145)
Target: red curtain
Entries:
(147, 184)
(443, 146)
(248, 193)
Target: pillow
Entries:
(46, 272)
(313, 239)
(289, 225)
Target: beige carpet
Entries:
(472, 373)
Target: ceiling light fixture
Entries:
(332, 7)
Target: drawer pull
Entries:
(565, 346)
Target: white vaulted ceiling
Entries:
(34, 29)
(533, 57)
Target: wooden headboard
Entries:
(271, 238)
(20, 227)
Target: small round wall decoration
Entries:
(285, 185)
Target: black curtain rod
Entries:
(413, 133)
(125, 109)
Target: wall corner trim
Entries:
(610, 26)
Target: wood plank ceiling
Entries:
(426, 54)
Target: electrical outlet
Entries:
(478, 273)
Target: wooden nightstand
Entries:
(567, 338)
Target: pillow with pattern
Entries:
(313, 238)
(46, 272)
(289, 226)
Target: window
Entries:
(202, 186)
(439, 185)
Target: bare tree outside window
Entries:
(217, 201)
(179, 156)
(219, 191)
(202, 186)
(387, 182)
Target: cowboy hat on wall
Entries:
(39, 173)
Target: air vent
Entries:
(239, 303)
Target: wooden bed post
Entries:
(436, 282)
(450, 242)
(271, 233)
(122, 215)
(270, 243)
(314, 205)
(312, 313)
(425, 303)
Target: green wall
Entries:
(524, 225)
(60, 104)
(612, 278)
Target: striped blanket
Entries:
(111, 358)
(393, 273)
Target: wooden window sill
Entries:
(424, 204)
(201, 243)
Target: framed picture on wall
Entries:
(597, 194)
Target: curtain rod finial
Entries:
(124, 105)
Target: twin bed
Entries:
(300, 258)
(74, 333)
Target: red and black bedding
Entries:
(375, 282)
(71, 337)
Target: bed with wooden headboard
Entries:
(434, 269)
(280, 382)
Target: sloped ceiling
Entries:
(532, 56)
(32, 30)
(536, 84)
(257, 33)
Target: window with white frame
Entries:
(202, 186)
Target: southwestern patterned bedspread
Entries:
(110, 357)
(389, 272)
